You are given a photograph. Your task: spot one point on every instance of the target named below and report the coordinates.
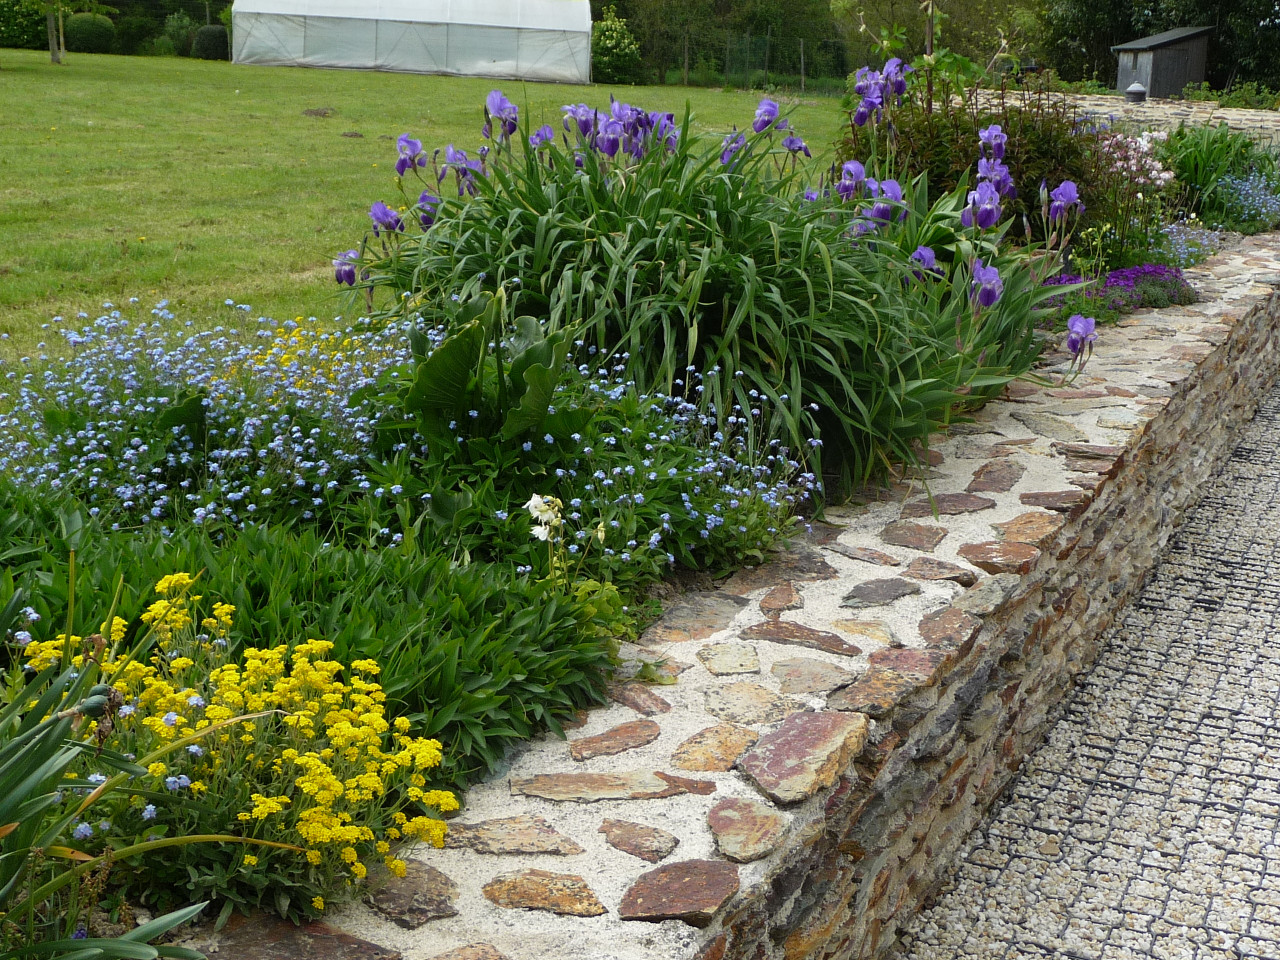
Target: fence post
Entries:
(802, 64)
(768, 35)
(685, 73)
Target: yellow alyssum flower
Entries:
(174, 583)
(250, 860)
(317, 902)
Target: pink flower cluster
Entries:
(1134, 158)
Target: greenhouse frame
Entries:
(522, 39)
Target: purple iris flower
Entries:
(795, 145)
(542, 136)
(344, 269)
(883, 209)
(581, 116)
(464, 169)
(928, 262)
(894, 77)
(733, 142)
(1064, 197)
(499, 109)
(983, 208)
(873, 102)
(811, 195)
(987, 285)
(853, 176)
(410, 154)
(997, 174)
(635, 122)
(993, 138)
(663, 127)
(609, 139)
(766, 114)
(865, 80)
(925, 257)
(384, 219)
(428, 204)
(1080, 333)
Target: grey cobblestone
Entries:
(1148, 824)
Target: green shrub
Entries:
(211, 43)
(160, 47)
(1046, 144)
(478, 656)
(22, 26)
(706, 257)
(90, 33)
(135, 34)
(180, 30)
(1205, 158)
(615, 54)
(1249, 95)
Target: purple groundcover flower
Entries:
(766, 114)
(993, 139)
(987, 285)
(384, 219)
(733, 142)
(428, 204)
(1080, 333)
(410, 154)
(1064, 197)
(795, 145)
(542, 136)
(983, 208)
(344, 271)
(498, 109)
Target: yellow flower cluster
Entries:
(304, 741)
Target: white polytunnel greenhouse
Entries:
(522, 39)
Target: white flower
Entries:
(546, 511)
(542, 531)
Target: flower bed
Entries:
(616, 351)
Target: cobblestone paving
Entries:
(1148, 825)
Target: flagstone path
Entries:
(1148, 825)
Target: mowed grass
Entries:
(201, 182)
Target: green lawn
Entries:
(199, 181)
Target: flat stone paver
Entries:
(1148, 825)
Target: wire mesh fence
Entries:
(755, 61)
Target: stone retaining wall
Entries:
(1163, 114)
(840, 718)
(945, 749)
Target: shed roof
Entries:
(1168, 38)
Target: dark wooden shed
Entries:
(1164, 63)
